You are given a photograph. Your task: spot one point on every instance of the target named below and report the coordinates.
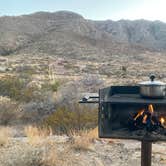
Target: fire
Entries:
(150, 108)
(139, 114)
(144, 119)
(162, 120)
(147, 119)
(144, 113)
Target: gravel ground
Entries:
(19, 152)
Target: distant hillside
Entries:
(69, 34)
(151, 35)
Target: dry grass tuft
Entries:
(5, 134)
(36, 135)
(93, 134)
(83, 140)
(81, 143)
(48, 152)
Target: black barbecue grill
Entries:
(120, 117)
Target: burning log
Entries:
(146, 120)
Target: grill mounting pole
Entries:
(146, 153)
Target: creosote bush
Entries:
(16, 87)
(9, 111)
(12, 87)
(51, 86)
(65, 120)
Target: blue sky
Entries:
(91, 9)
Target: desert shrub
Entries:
(35, 111)
(4, 51)
(28, 94)
(124, 68)
(11, 86)
(31, 94)
(8, 111)
(51, 86)
(17, 89)
(64, 120)
(67, 94)
(124, 71)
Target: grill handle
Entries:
(89, 99)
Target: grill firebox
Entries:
(119, 104)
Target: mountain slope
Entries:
(69, 34)
(149, 34)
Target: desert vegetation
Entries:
(41, 120)
(46, 101)
(65, 120)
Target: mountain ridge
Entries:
(66, 33)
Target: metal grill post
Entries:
(146, 153)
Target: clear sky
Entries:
(91, 9)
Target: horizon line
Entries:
(51, 12)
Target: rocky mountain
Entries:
(68, 34)
(151, 35)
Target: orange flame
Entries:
(139, 114)
(144, 119)
(162, 120)
(148, 116)
(150, 108)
